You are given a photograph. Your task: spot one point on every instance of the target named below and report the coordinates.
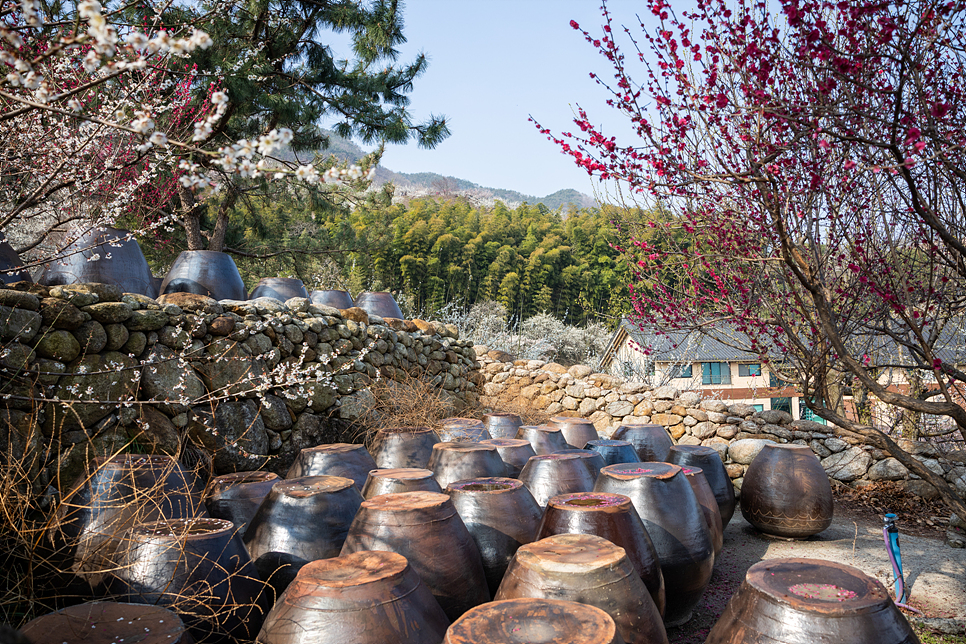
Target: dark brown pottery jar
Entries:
(205, 272)
(708, 459)
(361, 598)
(380, 303)
(673, 519)
(501, 514)
(652, 442)
(804, 601)
(515, 453)
(300, 520)
(544, 439)
(198, 568)
(457, 461)
(526, 621)
(425, 528)
(709, 506)
(108, 623)
(576, 431)
(119, 262)
(279, 288)
(400, 479)
(334, 298)
(469, 430)
(591, 460)
(337, 459)
(613, 517)
(10, 260)
(236, 496)
(394, 447)
(613, 451)
(502, 424)
(548, 475)
(786, 492)
(590, 570)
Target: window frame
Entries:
(722, 377)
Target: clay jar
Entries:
(613, 451)
(613, 517)
(236, 496)
(501, 514)
(360, 598)
(200, 569)
(279, 288)
(10, 260)
(590, 570)
(515, 452)
(801, 601)
(589, 458)
(338, 459)
(651, 442)
(548, 475)
(468, 430)
(395, 447)
(108, 623)
(786, 492)
(673, 519)
(543, 438)
(396, 480)
(425, 528)
(127, 268)
(205, 272)
(502, 424)
(525, 621)
(331, 297)
(709, 506)
(380, 303)
(708, 459)
(576, 431)
(459, 460)
(300, 520)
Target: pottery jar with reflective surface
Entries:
(10, 261)
(205, 272)
(332, 297)
(198, 568)
(590, 459)
(279, 288)
(708, 459)
(590, 570)
(236, 496)
(786, 492)
(395, 447)
(337, 459)
(300, 520)
(401, 479)
(120, 262)
(108, 623)
(515, 452)
(468, 430)
(458, 460)
(613, 517)
(651, 442)
(501, 514)
(380, 303)
(576, 431)
(502, 424)
(425, 528)
(548, 475)
(364, 597)
(544, 439)
(709, 506)
(805, 601)
(673, 519)
(528, 621)
(613, 451)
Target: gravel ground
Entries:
(935, 572)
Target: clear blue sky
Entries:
(492, 64)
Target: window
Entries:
(759, 407)
(749, 370)
(679, 371)
(808, 414)
(782, 404)
(715, 373)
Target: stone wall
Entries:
(737, 431)
(87, 370)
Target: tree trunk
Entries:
(217, 241)
(191, 219)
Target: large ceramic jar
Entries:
(380, 303)
(360, 598)
(106, 255)
(10, 261)
(463, 429)
(652, 442)
(548, 475)
(198, 568)
(458, 461)
(526, 621)
(205, 272)
(400, 479)
(786, 492)
(576, 431)
(108, 623)
(545, 439)
(501, 514)
(336, 459)
(334, 298)
(709, 506)
(672, 517)
(708, 459)
(613, 451)
(425, 528)
(236, 496)
(502, 424)
(279, 288)
(395, 447)
(515, 453)
(590, 570)
(613, 517)
(804, 601)
(589, 458)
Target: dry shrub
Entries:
(408, 401)
(511, 402)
